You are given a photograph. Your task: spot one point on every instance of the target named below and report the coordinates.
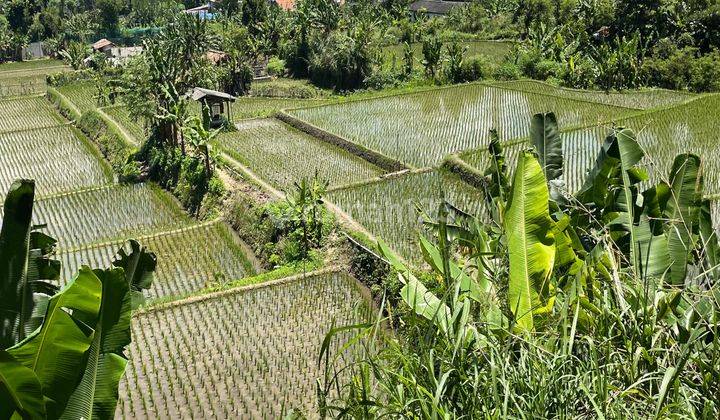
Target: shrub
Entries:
(682, 68)
(276, 67)
(705, 73)
(283, 232)
(507, 71)
(66, 78)
(185, 176)
(477, 67)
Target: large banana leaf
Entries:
(709, 242)
(415, 294)
(20, 390)
(683, 212)
(531, 244)
(97, 394)
(648, 250)
(15, 295)
(595, 188)
(545, 136)
(57, 351)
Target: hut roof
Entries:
(201, 93)
(103, 43)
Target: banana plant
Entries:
(70, 365)
(531, 243)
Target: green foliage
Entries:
(75, 54)
(276, 67)
(285, 231)
(530, 242)
(592, 276)
(110, 141)
(62, 353)
(453, 69)
(432, 55)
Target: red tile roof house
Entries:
(103, 45)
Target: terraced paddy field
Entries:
(388, 208)
(282, 155)
(27, 77)
(58, 158)
(638, 99)
(691, 127)
(421, 128)
(253, 107)
(121, 116)
(82, 94)
(116, 212)
(32, 65)
(249, 354)
(189, 258)
(27, 113)
(246, 107)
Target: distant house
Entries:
(284, 4)
(120, 55)
(217, 57)
(434, 8)
(206, 11)
(217, 102)
(103, 46)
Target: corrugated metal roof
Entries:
(103, 43)
(200, 93)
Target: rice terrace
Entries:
(311, 209)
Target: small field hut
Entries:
(217, 102)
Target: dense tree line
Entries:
(607, 44)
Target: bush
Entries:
(682, 69)
(382, 79)
(507, 71)
(477, 67)
(185, 176)
(276, 67)
(705, 73)
(578, 73)
(66, 78)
